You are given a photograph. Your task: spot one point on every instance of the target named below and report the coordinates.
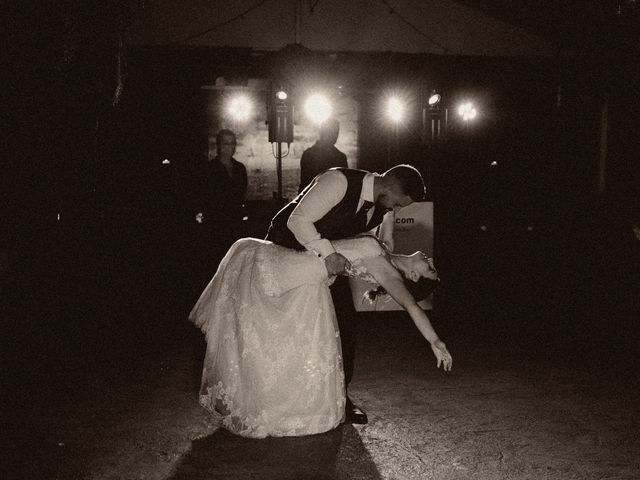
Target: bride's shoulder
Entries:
(364, 245)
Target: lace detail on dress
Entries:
(358, 250)
(282, 269)
(273, 364)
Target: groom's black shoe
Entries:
(354, 414)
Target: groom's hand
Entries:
(336, 263)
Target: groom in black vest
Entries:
(342, 203)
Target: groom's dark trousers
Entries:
(346, 315)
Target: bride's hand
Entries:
(442, 355)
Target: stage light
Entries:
(467, 111)
(317, 108)
(280, 115)
(395, 109)
(240, 108)
(434, 99)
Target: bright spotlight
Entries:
(317, 108)
(240, 108)
(281, 95)
(395, 109)
(434, 99)
(467, 111)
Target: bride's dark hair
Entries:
(419, 290)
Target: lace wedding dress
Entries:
(273, 365)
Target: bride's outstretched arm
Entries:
(393, 283)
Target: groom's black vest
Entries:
(340, 222)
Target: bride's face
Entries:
(419, 266)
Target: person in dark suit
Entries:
(338, 204)
(323, 155)
(219, 212)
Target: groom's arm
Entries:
(326, 193)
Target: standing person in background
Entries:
(323, 155)
(219, 211)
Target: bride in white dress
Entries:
(273, 364)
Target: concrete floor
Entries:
(511, 409)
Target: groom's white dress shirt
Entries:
(328, 190)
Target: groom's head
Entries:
(400, 186)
